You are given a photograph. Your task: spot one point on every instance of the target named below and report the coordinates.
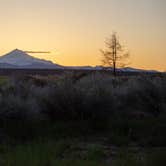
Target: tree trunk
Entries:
(114, 68)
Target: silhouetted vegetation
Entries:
(122, 111)
(114, 54)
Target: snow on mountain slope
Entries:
(21, 59)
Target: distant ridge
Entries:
(125, 69)
(18, 59)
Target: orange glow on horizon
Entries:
(74, 32)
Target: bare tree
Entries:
(114, 56)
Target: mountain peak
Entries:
(22, 59)
(15, 53)
(17, 50)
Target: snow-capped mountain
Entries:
(20, 59)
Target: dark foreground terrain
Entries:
(80, 119)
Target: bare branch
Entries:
(114, 54)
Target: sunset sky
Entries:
(75, 30)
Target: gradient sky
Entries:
(75, 30)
